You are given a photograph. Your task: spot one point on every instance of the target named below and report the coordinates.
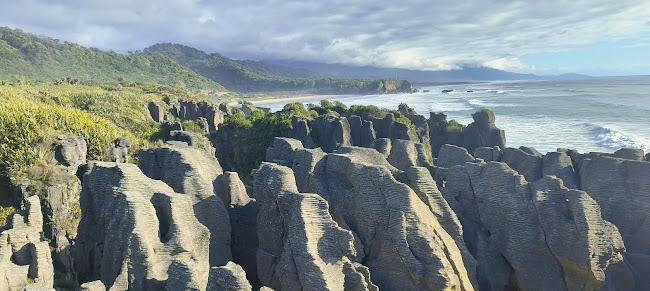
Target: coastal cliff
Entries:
(327, 197)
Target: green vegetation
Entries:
(33, 115)
(252, 76)
(367, 111)
(255, 133)
(27, 56)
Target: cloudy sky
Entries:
(586, 36)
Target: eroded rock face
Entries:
(559, 164)
(70, 151)
(22, 253)
(362, 131)
(451, 155)
(405, 246)
(533, 236)
(301, 247)
(191, 171)
(300, 131)
(243, 220)
(333, 132)
(527, 164)
(483, 132)
(622, 189)
(136, 231)
(395, 233)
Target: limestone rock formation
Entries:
(533, 236)
(388, 127)
(136, 231)
(243, 221)
(301, 247)
(121, 150)
(488, 154)
(70, 151)
(300, 131)
(22, 253)
(403, 154)
(451, 155)
(283, 150)
(622, 189)
(362, 131)
(483, 132)
(527, 164)
(559, 164)
(383, 146)
(394, 232)
(193, 140)
(93, 286)
(191, 171)
(630, 154)
(333, 132)
(155, 111)
(230, 277)
(405, 246)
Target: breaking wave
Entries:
(615, 140)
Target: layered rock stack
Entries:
(366, 210)
(25, 259)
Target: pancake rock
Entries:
(301, 247)
(136, 233)
(193, 172)
(622, 189)
(533, 236)
(23, 255)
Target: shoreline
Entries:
(258, 100)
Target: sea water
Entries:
(594, 114)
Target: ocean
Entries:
(595, 114)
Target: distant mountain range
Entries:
(25, 55)
(415, 76)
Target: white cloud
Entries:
(417, 34)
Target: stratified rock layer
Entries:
(136, 233)
(533, 236)
(23, 255)
(301, 247)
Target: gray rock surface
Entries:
(362, 131)
(383, 146)
(559, 164)
(120, 151)
(589, 249)
(528, 165)
(488, 154)
(96, 285)
(405, 246)
(22, 253)
(136, 231)
(630, 154)
(300, 131)
(243, 221)
(301, 247)
(193, 140)
(230, 277)
(155, 111)
(191, 171)
(395, 233)
(283, 150)
(622, 189)
(533, 236)
(333, 132)
(403, 154)
(70, 151)
(451, 155)
(483, 132)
